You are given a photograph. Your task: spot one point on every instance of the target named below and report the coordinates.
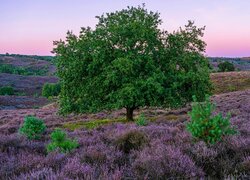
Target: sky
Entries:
(31, 26)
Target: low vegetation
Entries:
(132, 140)
(141, 121)
(160, 150)
(92, 124)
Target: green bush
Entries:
(32, 127)
(51, 89)
(6, 90)
(204, 126)
(131, 140)
(226, 67)
(60, 141)
(141, 121)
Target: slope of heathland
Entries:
(230, 81)
(26, 75)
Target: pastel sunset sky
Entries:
(31, 26)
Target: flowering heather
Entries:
(169, 152)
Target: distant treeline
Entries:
(45, 58)
(232, 60)
(7, 68)
(240, 64)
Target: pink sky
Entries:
(30, 27)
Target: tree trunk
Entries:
(130, 114)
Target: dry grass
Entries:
(230, 81)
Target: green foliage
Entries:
(60, 141)
(51, 89)
(204, 126)
(10, 69)
(32, 127)
(6, 90)
(226, 66)
(141, 121)
(128, 62)
(132, 140)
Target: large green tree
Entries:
(128, 62)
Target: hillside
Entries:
(241, 64)
(29, 63)
(230, 81)
(26, 75)
(27, 85)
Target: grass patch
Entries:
(230, 81)
(170, 117)
(92, 124)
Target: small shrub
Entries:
(205, 126)
(32, 127)
(141, 121)
(131, 140)
(61, 142)
(226, 66)
(51, 89)
(6, 90)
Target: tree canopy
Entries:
(128, 62)
(226, 66)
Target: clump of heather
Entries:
(131, 140)
(163, 162)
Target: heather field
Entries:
(125, 99)
(116, 149)
(230, 81)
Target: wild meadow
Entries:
(116, 150)
(132, 102)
